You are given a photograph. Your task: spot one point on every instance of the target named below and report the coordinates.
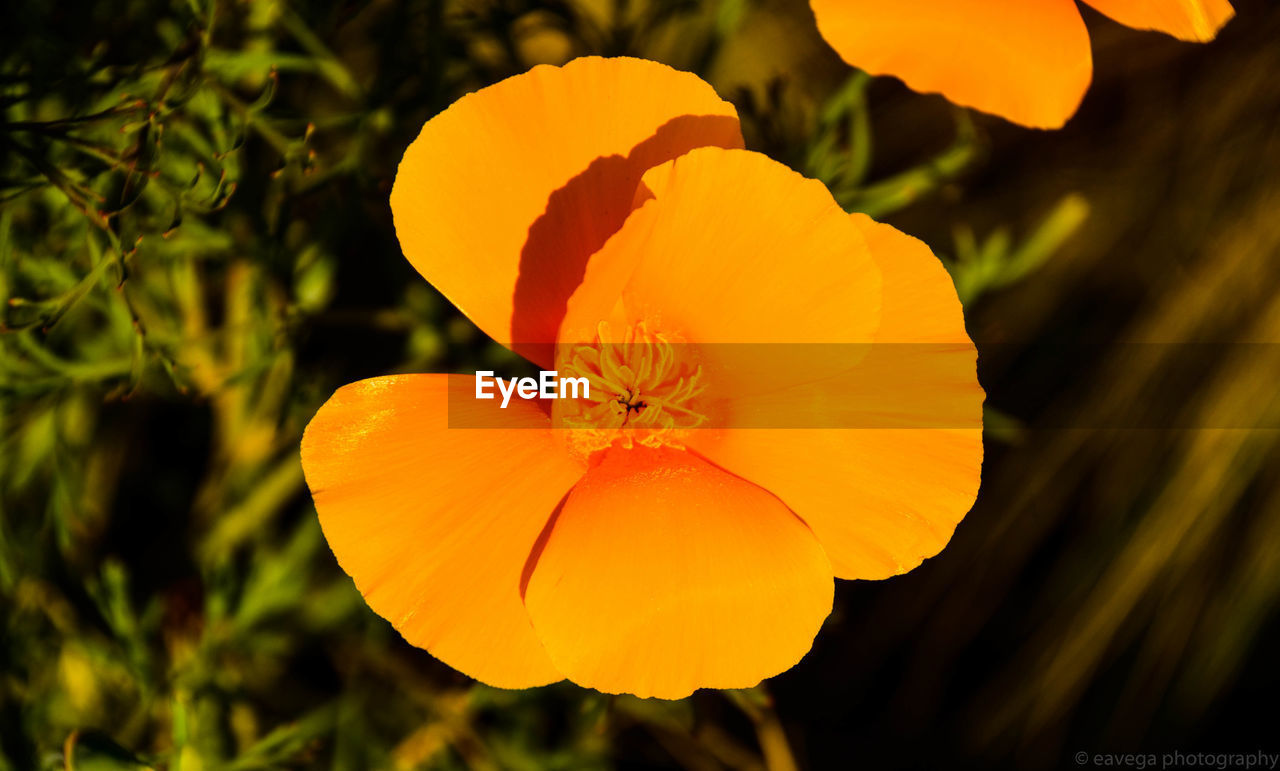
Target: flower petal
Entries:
(503, 197)
(1028, 62)
(880, 499)
(918, 299)
(1195, 20)
(663, 574)
(435, 524)
(735, 248)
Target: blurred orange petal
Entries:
(880, 499)
(503, 196)
(1028, 61)
(1194, 20)
(435, 524)
(663, 574)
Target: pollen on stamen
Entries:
(642, 390)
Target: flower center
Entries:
(642, 389)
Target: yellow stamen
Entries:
(641, 390)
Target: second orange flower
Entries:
(1025, 60)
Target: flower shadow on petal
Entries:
(582, 215)
(539, 545)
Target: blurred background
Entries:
(196, 249)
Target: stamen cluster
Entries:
(643, 389)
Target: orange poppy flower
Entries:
(1029, 62)
(680, 528)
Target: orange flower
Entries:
(680, 528)
(1025, 60)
